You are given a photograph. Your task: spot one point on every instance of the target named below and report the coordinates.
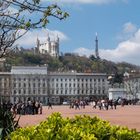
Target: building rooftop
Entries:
(29, 70)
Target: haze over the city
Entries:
(115, 21)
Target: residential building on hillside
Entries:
(5, 86)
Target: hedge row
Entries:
(55, 127)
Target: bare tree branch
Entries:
(15, 23)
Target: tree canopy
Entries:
(18, 17)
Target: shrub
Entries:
(7, 123)
(79, 128)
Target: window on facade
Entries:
(43, 84)
(33, 84)
(56, 91)
(90, 91)
(24, 79)
(24, 85)
(103, 80)
(19, 84)
(15, 91)
(34, 91)
(38, 91)
(90, 85)
(44, 91)
(38, 84)
(94, 91)
(78, 91)
(61, 85)
(98, 91)
(65, 91)
(24, 91)
(56, 85)
(74, 85)
(19, 91)
(14, 99)
(69, 84)
(14, 84)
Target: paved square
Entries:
(125, 116)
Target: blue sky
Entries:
(115, 21)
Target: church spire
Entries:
(96, 47)
(37, 42)
(57, 39)
(48, 38)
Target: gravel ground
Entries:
(125, 116)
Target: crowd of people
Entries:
(101, 104)
(23, 108)
(35, 107)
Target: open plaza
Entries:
(128, 115)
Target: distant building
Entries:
(132, 85)
(115, 93)
(5, 86)
(36, 83)
(73, 86)
(49, 47)
(29, 83)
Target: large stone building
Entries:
(37, 83)
(132, 85)
(71, 86)
(5, 86)
(49, 47)
(29, 82)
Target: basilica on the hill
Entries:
(49, 47)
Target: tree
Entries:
(15, 23)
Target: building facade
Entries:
(5, 86)
(49, 47)
(36, 83)
(29, 83)
(132, 85)
(71, 86)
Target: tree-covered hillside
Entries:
(67, 62)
